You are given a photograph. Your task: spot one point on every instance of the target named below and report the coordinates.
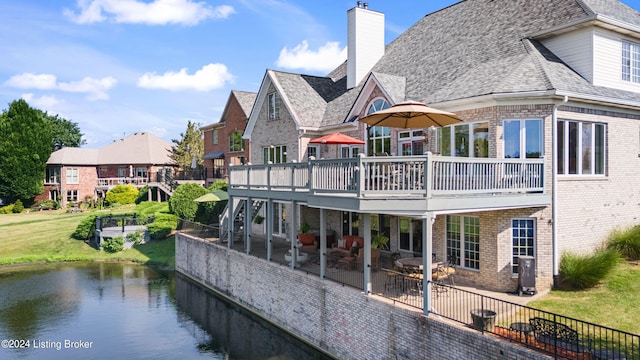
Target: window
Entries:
(279, 219)
(122, 172)
(72, 195)
(379, 136)
(411, 142)
(275, 154)
(72, 176)
(381, 224)
(581, 148)
(630, 62)
(141, 172)
(523, 139)
(411, 235)
(214, 136)
(235, 141)
(350, 223)
(523, 234)
(274, 106)
(455, 139)
(347, 151)
(53, 175)
(312, 151)
(463, 241)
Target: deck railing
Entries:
(425, 176)
(110, 182)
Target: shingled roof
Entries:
(469, 49)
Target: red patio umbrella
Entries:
(337, 138)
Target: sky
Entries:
(116, 67)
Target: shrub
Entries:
(86, 228)
(181, 202)
(113, 245)
(135, 237)
(18, 207)
(6, 209)
(586, 271)
(626, 242)
(219, 185)
(163, 225)
(122, 194)
(48, 204)
(143, 194)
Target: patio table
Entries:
(415, 264)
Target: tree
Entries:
(191, 144)
(25, 147)
(65, 133)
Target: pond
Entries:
(120, 310)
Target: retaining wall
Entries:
(334, 318)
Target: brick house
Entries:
(544, 161)
(79, 175)
(223, 142)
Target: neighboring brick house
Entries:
(79, 175)
(548, 83)
(223, 142)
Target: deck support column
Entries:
(269, 220)
(293, 234)
(230, 222)
(323, 244)
(427, 250)
(367, 253)
(247, 224)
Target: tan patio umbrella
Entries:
(410, 115)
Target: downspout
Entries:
(554, 192)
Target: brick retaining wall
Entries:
(335, 318)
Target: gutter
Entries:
(554, 192)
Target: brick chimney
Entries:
(365, 42)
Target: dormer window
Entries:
(630, 62)
(274, 106)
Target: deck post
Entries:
(293, 233)
(427, 250)
(269, 220)
(323, 244)
(367, 253)
(230, 223)
(247, 225)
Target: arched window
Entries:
(379, 136)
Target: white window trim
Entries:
(565, 158)
(75, 178)
(523, 136)
(535, 241)
(461, 259)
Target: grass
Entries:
(613, 303)
(45, 236)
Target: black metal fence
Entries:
(205, 232)
(560, 336)
(121, 220)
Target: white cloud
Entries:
(158, 12)
(325, 59)
(211, 76)
(96, 89)
(44, 102)
(32, 81)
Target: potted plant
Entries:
(305, 236)
(379, 240)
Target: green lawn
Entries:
(613, 303)
(45, 236)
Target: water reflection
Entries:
(107, 311)
(235, 331)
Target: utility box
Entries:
(526, 275)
